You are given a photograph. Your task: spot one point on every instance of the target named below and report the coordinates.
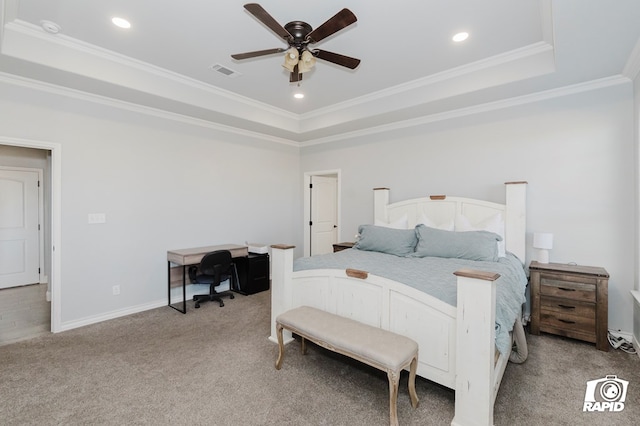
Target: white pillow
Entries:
(402, 223)
(493, 224)
(446, 226)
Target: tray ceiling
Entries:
(410, 66)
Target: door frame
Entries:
(55, 285)
(40, 215)
(307, 205)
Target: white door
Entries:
(19, 234)
(324, 216)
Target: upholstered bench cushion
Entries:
(377, 346)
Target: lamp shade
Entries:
(291, 59)
(307, 61)
(543, 240)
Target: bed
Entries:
(458, 341)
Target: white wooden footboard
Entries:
(457, 344)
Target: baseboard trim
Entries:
(70, 325)
(176, 299)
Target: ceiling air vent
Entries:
(225, 71)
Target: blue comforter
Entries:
(434, 275)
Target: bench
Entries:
(384, 350)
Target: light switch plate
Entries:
(97, 218)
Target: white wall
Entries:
(576, 152)
(162, 185)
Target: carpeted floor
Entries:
(215, 366)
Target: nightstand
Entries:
(342, 246)
(571, 301)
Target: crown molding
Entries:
(398, 125)
(71, 43)
(141, 109)
(26, 41)
(493, 62)
(477, 109)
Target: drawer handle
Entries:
(567, 307)
(567, 289)
(566, 321)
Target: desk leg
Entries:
(184, 289)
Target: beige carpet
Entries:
(215, 366)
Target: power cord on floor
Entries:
(619, 342)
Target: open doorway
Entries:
(321, 211)
(23, 154)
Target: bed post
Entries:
(380, 202)
(516, 218)
(475, 348)
(281, 276)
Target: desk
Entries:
(193, 256)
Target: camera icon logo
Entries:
(606, 394)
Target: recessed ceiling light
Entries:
(298, 95)
(460, 37)
(50, 27)
(121, 22)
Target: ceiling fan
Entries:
(300, 58)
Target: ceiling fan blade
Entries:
(263, 16)
(340, 20)
(336, 58)
(248, 55)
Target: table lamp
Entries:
(543, 241)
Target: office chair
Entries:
(215, 267)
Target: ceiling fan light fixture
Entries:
(291, 59)
(307, 61)
(298, 35)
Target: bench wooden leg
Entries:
(394, 378)
(412, 383)
(280, 346)
(303, 345)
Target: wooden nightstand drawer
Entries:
(567, 306)
(549, 286)
(583, 328)
(585, 325)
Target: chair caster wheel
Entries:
(221, 304)
(232, 296)
(197, 306)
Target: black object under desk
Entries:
(253, 273)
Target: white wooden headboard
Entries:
(442, 208)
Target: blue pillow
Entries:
(471, 245)
(399, 242)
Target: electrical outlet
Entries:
(116, 290)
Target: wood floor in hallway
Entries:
(24, 313)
